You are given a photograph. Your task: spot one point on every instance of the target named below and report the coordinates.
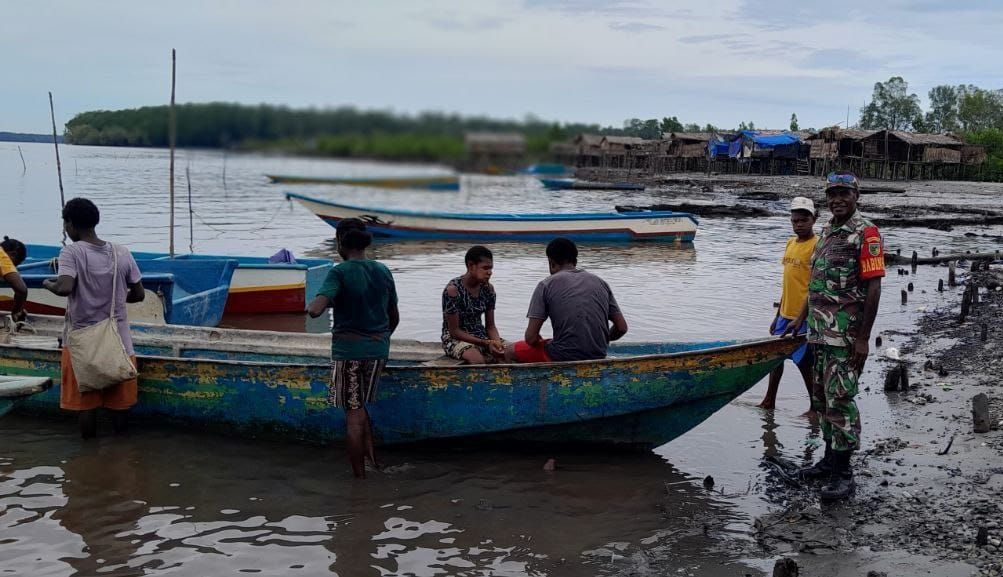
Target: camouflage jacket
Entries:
(844, 258)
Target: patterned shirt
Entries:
(844, 259)
(470, 309)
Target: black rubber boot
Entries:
(841, 483)
(820, 470)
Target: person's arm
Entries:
(532, 336)
(136, 294)
(872, 269)
(62, 285)
(494, 337)
(861, 344)
(395, 316)
(318, 305)
(795, 326)
(619, 327)
(614, 314)
(20, 294)
(326, 295)
(133, 280)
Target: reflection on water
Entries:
(165, 502)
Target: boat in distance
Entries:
(596, 226)
(575, 184)
(264, 384)
(443, 183)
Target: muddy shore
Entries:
(928, 498)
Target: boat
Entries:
(258, 286)
(14, 389)
(264, 384)
(599, 226)
(575, 184)
(178, 292)
(547, 169)
(441, 183)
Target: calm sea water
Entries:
(170, 502)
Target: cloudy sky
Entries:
(718, 61)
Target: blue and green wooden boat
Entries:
(274, 385)
(14, 390)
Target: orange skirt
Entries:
(118, 398)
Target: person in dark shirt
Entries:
(363, 296)
(465, 300)
(580, 307)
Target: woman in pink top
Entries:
(86, 278)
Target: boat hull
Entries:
(573, 184)
(266, 388)
(435, 183)
(599, 227)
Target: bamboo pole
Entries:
(191, 224)
(23, 164)
(59, 167)
(172, 135)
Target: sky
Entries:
(594, 61)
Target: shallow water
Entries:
(169, 502)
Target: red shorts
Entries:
(118, 397)
(524, 353)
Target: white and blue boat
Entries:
(596, 226)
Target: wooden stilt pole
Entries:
(172, 135)
(59, 167)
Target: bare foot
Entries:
(810, 413)
(768, 405)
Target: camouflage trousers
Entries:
(835, 388)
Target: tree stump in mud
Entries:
(786, 568)
(940, 286)
(980, 413)
(905, 296)
(952, 279)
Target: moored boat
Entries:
(177, 292)
(15, 389)
(264, 384)
(258, 286)
(575, 184)
(599, 226)
(442, 183)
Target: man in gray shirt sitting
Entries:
(580, 307)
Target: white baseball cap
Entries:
(802, 203)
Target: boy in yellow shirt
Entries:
(13, 253)
(797, 270)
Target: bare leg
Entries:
(805, 366)
(370, 449)
(355, 439)
(88, 423)
(770, 400)
(120, 421)
(474, 356)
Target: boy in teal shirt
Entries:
(364, 299)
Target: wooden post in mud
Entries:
(980, 413)
(172, 135)
(905, 296)
(952, 280)
(940, 285)
(59, 167)
(915, 261)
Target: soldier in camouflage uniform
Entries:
(843, 296)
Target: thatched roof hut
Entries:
(901, 146)
(495, 143)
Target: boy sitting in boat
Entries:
(580, 306)
(794, 294)
(12, 254)
(465, 300)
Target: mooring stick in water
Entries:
(191, 225)
(22, 159)
(59, 168)
(172, 135)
